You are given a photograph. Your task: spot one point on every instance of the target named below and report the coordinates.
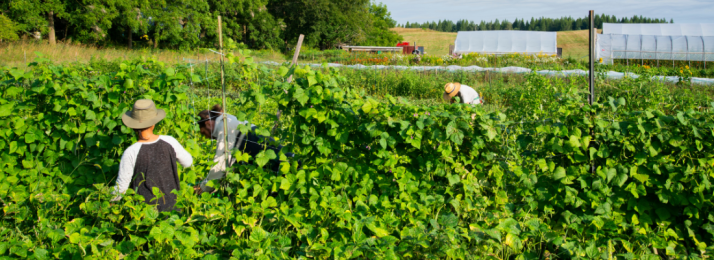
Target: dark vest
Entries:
(156, 167)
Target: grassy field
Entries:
(16, 54)
(574, 43)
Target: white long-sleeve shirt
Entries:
(470, 96)
(218, 170)
(128, 160)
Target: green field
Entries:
(389, 171)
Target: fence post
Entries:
(223, 96)
(591, 79)
(295, 56)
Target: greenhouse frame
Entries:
(659, 29)
(661, 42)
(505, 42)
(652, 47)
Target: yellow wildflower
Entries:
(686, 66)
(681, 71)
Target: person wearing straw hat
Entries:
(151, 161)
(466, 94)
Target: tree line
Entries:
(186, 24)
(535, 24)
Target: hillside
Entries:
(574, 43)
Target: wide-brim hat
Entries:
(143, 115)
(451, 89)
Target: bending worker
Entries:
(211, 126)
(466, 94)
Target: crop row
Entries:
(538, 61)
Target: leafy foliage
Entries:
(380, 178)
(259, 24)
(7, 29)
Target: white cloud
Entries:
(682, 11)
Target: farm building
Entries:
(504, 42)
(675, 42)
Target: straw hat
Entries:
(144, 114)
(451, 89)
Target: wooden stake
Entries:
(223, 93)
(295, 56)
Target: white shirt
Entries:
(218, 170)
(470, 96)
(128, 160)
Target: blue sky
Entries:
(682, 11)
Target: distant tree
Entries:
(178, 23)
(506, 25)
(7, 29)
(379, 34)
(92, 19)
(36, 17)
(324, 23)
(131, 17)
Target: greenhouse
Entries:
(660, 29)
(504, 42)
(654, 47)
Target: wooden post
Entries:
(591, 77)
(223, 93)
(295, 56)
(591, 80)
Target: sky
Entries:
(682, 11)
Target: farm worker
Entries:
(211, 127)
(151, 161)
(466, 94)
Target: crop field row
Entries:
(388, 171)
(533, 61)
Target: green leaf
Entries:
(6, 109)
(367, 107)
(151, 213)
(90, 115)
(620, 179)
(264, 157)
(559, 173)
(574, 141)
(453, 179)
(258, 234)
(170, 72)
(71, 111)
(494, 233)
(75, 238)
(30, 138)
(155, 233)
(611, 173)
(269, 203)
(40, 253)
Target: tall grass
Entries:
(17, 54)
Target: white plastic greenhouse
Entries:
(675, 42)
(502, 42)
(659, 29)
